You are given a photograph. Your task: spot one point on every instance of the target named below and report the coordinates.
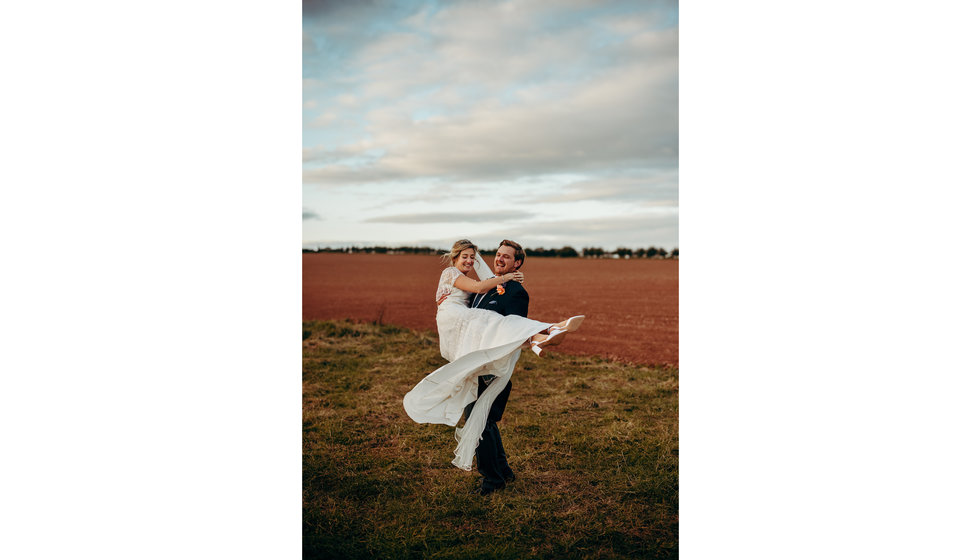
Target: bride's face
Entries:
(464, 262)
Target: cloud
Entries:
(335, 8)
(657, 227)
(651, 227)
(561, 103)
(450, 217)
(321, 154)
(513, 90)
(324, 120)
(437, 193)
(655, 188)
(606, 123)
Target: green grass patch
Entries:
(594, 444)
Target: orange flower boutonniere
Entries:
(500, 289)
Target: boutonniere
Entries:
(500, 289)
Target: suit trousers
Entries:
(491, 461)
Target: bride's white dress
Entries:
(476, 342)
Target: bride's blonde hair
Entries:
(458, 247)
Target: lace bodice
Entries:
(446, 287)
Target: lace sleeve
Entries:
(446, 281)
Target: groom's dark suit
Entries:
(491, 460)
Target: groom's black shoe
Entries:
(485, 491)
(510, 477)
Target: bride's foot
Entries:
(556, 334)
(571, 324)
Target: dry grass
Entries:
(593, 443)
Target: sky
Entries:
(549, 122)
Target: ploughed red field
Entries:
(631, 305)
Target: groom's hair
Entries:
(518, 250)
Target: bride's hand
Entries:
(519, 276)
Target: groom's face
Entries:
(504, 261)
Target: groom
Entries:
(491, 460)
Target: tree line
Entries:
(564, 252)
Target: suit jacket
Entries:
(514, 300)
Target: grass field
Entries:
(594, 445)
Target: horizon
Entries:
(492, 246)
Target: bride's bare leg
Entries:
(537, 342)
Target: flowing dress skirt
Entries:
(477, 342)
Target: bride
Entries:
(476, 342)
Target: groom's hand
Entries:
(441, 299)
